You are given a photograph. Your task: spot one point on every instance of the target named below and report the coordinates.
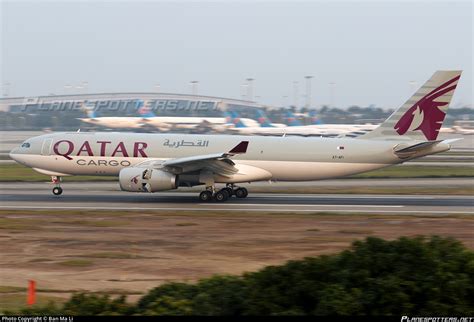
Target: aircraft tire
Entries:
(241, 193)
(230, 192)
(205, 196)
(221, 195)
(57, 191)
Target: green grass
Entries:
(19, 224)
(15, 172)
(39, 260)
(184, 224)
(11, 172)
(418, 171)
(424, 190)
(111, 255)
(77, 263)
(96, 223)
(17, 301)
(13, 298)
(191, 214)
(11, 289)
(36, 224)
(355, 231)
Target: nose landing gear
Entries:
(57, 190)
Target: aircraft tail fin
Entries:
(236, 120)
(143, 109)
(291, 119)
(263, 120)
(228, 117)
(315, 120)
(90, 110)
(422, 116)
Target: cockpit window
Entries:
(25, 145)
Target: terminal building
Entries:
(62, 112)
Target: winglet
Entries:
(240, 148)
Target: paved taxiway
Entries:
(106, 196)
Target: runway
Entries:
(106, 196)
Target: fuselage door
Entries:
(46, 147)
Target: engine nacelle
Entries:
(146, 180)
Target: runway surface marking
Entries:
(247, 209)
(293, 205)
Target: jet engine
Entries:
(146, 180)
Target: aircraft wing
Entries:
(218, 163)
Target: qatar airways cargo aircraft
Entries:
(159, 162)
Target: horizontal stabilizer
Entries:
(414, 148)
(449, 141)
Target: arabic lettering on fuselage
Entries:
(177, 144)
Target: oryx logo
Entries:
(426, 115)
(134, 180)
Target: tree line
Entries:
(409, 276)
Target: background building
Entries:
(62, 112)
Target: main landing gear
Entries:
(223, 194)
(57, 190)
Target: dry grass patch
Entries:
(184, 224)
(20, 224)
(77, 263)
(356, 231)
(111, 255)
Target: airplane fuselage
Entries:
(284, 158)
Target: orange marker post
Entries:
(31, 299)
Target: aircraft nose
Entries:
(14, 154)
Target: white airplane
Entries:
(218, 124)
(295, 127)
(460, 130)
(161, 123)
(115, 122)
(266, 127)
(341, 129)
(159, 162)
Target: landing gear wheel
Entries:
(57, 191)
(241, 192)
(221, 195)
(229, 190)
(205, 196)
